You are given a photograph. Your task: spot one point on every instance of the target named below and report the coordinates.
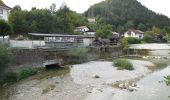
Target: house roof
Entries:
(2, 4)
(136, 31)
(58, 35)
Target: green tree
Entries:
(129, 25)
(53, 8)
(149, 37)
(5, 28)
(105, 31)
(5, 57)
(142, 27)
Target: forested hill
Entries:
(126, 13)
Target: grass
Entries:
(158, 63)
(27, 72)
(123, 64)
(14, 76)
(9, 77)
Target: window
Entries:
(1, 11)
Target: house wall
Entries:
(134, 35)
(4, 15)
(88, 41)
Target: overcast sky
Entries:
(159, 6)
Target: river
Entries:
(79, 83)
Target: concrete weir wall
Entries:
(26, 57)
(36, 57)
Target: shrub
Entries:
(78, 55)
(5, 57)
(9, 77)
(27, 72)
(167, 80)
(133, 40)
(123, 64)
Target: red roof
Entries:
(2, 4)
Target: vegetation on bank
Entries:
(5, 58)
(133, 40)
(78, 55)
(123, 64)
(27, 72)
(167, 80)
(11, 76)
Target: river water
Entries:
(79, 84)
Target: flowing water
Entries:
(80, 84)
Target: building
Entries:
(90, 33)
(134, 33)
(91, 20)
(81, 29)
(59, 41)
(4, 10)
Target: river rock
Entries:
(96, 76)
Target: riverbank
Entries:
(78, 83)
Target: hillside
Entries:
(123, 14)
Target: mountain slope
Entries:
(119, 12)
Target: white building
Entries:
(134, 33)
(81, 29)
(91, 20)
(4, 11)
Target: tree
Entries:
(53, 8)
(5, 57)
(129, 25)
(105, 31)
(167, 36)
(149, 37)
(45, 20)
(142, 27)
(5, 28)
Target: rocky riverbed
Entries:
(96, 80)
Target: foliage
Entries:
(45, 20)
(133, 40)
(142, 27)
(123, 14)
(149, 37)
(161, 64)
(125, 43)
(27, 72)
(105, 31)
(167, 80)
(78, 55)
(9, 77)
(5, 58)
(123, 64)
(5, 28)
(167, 31)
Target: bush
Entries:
(123, 64)
(27, 72)
(9, 77)
(167, 80)
(5, 58)
(133, 40)
(78, 55)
